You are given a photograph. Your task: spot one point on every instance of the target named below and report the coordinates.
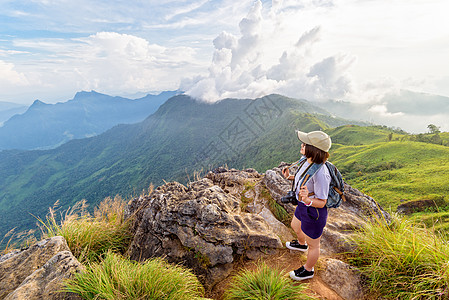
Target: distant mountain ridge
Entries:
(9, 109)
(45, 126)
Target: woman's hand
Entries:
(304, 193)
(286, 172)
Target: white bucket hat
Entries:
(318, 139)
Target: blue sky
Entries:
(354, 50)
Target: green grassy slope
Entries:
(395, 171)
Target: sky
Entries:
(348, 50)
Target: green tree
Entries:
(433, 128)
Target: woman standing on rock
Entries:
(311, 213)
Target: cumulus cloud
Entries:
(108, 62)
(243, 66)
(9, 76)
(117, 62)
(382, 111)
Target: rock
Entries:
(342, 278)
(278, 186)
(282, 231)
(201, 226)
(47, 281)
(37, 272)
(21, 264)
(8, 255)
(234, 181)
(238, 182)
(419, 205)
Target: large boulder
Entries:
(38, 271)
(342, 278)
(247, 186)
(200, 226)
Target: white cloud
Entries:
(109, 62)
(186, 9)
(116, 62)
(9, 77)
(382, 111)
(245, 67)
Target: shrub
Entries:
(118, 278)
(403, 260)
(264, 283)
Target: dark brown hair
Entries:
(318, 156)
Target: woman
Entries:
(311, 213)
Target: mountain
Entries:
(181, 137)
(8, 109)
(408, 110)
(45, 126)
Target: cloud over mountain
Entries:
(244, 66)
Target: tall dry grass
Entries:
(403, 260)
(90, 236)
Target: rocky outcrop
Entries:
(227, 215)
(247, 185)
(200, 226)
(38, 271)
(415, 206)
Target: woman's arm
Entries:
(314, 202)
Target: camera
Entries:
(290, 198)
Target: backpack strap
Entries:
(313, 168)
(307, 174)
(300, 163)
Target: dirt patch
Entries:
(286, 260)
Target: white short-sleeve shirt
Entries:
(318, 184)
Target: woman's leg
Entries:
(296, 226)
(314, 252)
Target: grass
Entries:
(244, 201)
(278, 211)
(264, 283)
(396, 170)
(403, 260)
(118, 278)
(90, 237)
(438, 220)
(17, 240)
